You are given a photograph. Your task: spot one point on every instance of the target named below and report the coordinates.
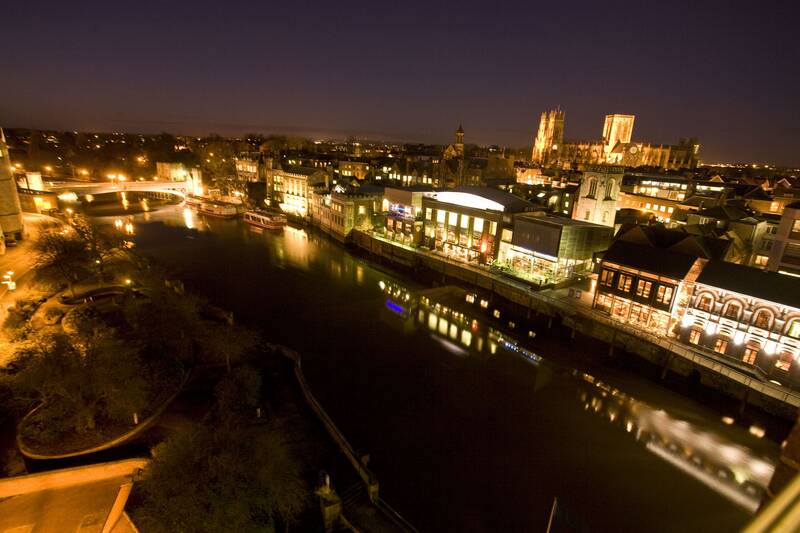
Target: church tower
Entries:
(549, 136)
(459, 144)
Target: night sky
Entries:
(727, 72)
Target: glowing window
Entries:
(643, 288)
(705, 302)
(794, 329)
(732, 310)
(762, 319)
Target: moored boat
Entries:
(265, 219)
(218, 209)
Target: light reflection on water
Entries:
(731, 470)
(455, 339)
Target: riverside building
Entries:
(748, 315)
(466, 223)
(550, 249)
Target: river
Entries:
(469, 426)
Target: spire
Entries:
(460, 128)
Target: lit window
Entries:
(664, 294)
(750, 354)
(643, 288)
(624, 283)
(762, 319)
(440, 216)
(496, 313)
(705, 302)
(794, 329)
(732, 310)
(464, 221)
(484, 303)
(607, 278)
(477, 224)
(694, 336)
(784, 362)
(452, 218)
(721, 345)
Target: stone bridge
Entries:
(82, 189)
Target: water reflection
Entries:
(438, 312)
(731, 470)
(188, 218)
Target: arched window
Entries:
(610, 189)
(762, 319)
(705, 302)
(592, 188)
(732, 310)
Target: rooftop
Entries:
(771, 286)
(484, 198)
(654, 260)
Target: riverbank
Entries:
(576, 313)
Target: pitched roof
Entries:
(771, 286)
(676, 239)
(654, 260)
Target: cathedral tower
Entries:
(549, 137)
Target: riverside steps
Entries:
(577, 314)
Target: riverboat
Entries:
(265, 219)
(214, 208)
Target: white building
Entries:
(597, 197)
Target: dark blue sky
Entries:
(726, 72)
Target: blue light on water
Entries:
(394, 307)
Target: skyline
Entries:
(411, 74)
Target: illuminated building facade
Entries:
(549, 136)
(465, 223)
(177, 172)
(403, 210)
(252, 166)
(617, 129)
(615, 147)
(784, 256)
(339, 213)
(350, 169)
(748, 315)
(11, 223)
(548, 249)
(598, 196)
(642, 285)
(292, 189)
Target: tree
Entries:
(228, 343)
(85, 376)
(62, 256)
(100, 246)
(166, 324)
(222, 477)
(237, 393)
